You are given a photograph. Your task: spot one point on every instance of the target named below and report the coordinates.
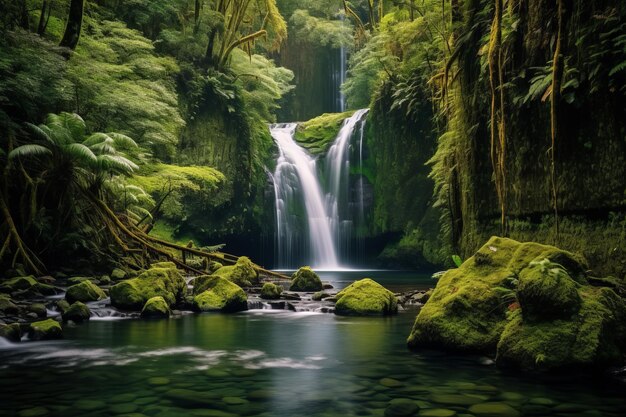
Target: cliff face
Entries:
(590, 117)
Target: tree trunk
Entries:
(74, 24)
(41, 27)
(24, 16)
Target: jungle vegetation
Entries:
(155, 112)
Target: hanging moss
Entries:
(316, 135)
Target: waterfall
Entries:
(316, 221)
(296, 182)
(338, 200)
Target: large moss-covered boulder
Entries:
(84, 292)
(304, 279)
(45, 330)
(242, 273)
(202, 283)
(530, 302)
(271, 291)
(132, 294)
(77, 312)
(156, 307)
(595, 336)
(221, 295)
(366, 298)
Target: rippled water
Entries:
(272, 363)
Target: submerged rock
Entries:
(304, 279)
(242, 273)
(45, 330)
(221, 295)
(156, 307)
(529, 302)
(132, 294)
(271, 291)
(84, 292)
(366, 298)
(77, 312)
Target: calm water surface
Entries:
(275, 363)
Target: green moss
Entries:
(12, 332)
(84, 292)
(132, 294)
(202, 283)
(271, 291)
(546, 291)
(18, 283)
(366, 298)
(7, 305)
(156, 307)
(316, 135)
(467, 310)
(242, 273)
(194, 178)
(45, 330)
(166, 265)
(77, 312)
(593, 337)
(305, 279)
(221, 295)
(118, 274)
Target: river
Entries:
(277, 363)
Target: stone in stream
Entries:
(11, 332)
(437, 412)
(366, 298)
(45, 330)
(77, 312)
(455, 399)
(242, 273)
(158, 380)
(494, 410)
(401, 407)
(118, 274)
(89, 405)
(39, 309)
(156, 307)
(123, 408)
(304, 279)
(34, 412)
(271, 291)
(221, 295)
(6, 305)
(390, 383)
(187, 397)
(166, 282)
(84, 292)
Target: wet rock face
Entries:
(84, 292)
(515, 299)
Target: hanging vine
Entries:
(498, 137)
(554, 97)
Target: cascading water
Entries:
(338, 198)
(296, 182)
(315, 223)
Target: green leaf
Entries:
(29, 151)
(457, 260)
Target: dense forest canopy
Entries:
(159, 111)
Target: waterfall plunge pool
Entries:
(276, 363)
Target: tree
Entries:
(74, 24)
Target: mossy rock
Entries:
(242, 273)
(467, 309)
(317, 135)
(546, 292)
(45, 330)
(11, 332)
(156, 307)
(271, 291)
(494, 409)
(78, 280)
(213, 266)
(18, 283)
(84, 292)
(77, 312)
(221, 295)
(593, 338)
(304, 279)
(62, 305)
(401, 407)
(166, 265)
(366, 297)
(202, 283)
(118, 274)
(39, 309)
(132, 294)
(6, 305)
(320, 295)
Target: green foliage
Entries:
(457, 260)
(316, 135)
(320, 30)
